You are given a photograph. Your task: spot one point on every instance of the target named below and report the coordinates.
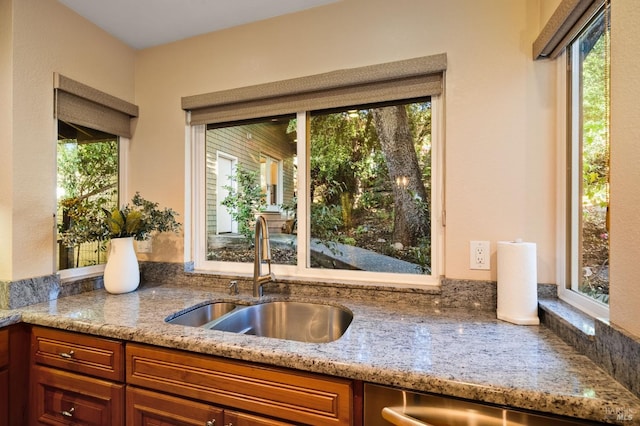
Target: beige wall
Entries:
(6, 138)
(46, 37)
(499, 104)
(625, 165)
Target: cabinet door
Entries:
(234, 418)
(4, 397)
(63, 398)
(148, 408)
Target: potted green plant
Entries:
(135, 221)
(138, 220)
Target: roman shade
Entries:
(569, 18)
(81, 104)
(406, 79)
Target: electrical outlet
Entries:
(479, 255)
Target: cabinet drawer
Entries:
(4, 347)
(60, 397)
(148, 408)
(80, 353)
(286, 394)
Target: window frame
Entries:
(195, 232)
(568, 194)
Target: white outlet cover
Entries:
(480, 255)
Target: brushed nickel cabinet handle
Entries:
(68, 413)
(67, 355)
(210, 423)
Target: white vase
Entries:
(121, 274)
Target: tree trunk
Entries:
(411, 202)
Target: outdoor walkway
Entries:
(356, 257)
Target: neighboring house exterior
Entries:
(264, 146)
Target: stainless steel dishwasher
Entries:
(384, 406)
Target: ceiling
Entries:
(146, 23)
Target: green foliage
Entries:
(595, 129)
(87, 174)
(326, 220)
(595, 161)
(422, 254)
(246, 201)
(139, 219)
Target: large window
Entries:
(347, 193)
(87, 179)
(588, 161)
(344, 166)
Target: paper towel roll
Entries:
(517, 283)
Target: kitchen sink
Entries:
(290, 320)
(202, 315)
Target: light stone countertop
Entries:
(452, 352)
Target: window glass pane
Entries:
(370, 188)
(87, 179)
(590, 160)
(250, 170)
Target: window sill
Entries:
(611, 348)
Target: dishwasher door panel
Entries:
(384, 406)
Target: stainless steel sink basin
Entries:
(202, 315)
(290, 320)
(300, 321)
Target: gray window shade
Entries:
(405, 79)
(563, 26)
(80, 104)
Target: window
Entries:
(587, 156)
(87, 178)
(360, 206)
(344, 166)
(93, 131)
(244, 181)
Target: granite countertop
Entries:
(448, 351)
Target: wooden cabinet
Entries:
(14, 374)
(150, 408)
(76, 379)
(61, 397)
(287, 395)
(80, 379)
(4, 376)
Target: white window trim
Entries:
(123, 177)
(195, 216)
(565, 293)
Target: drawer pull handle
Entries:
(67, 355)
(210, 423)
(68, 413)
